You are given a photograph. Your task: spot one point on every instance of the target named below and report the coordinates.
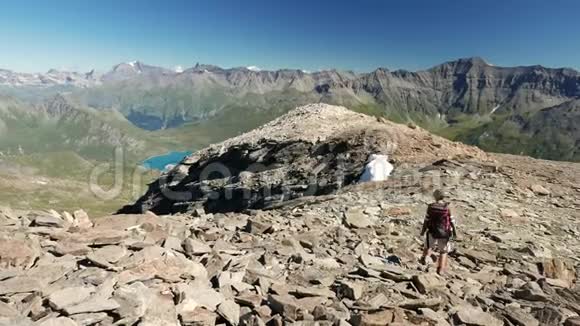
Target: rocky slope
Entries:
(343, 259)
(551, 133)
(347, 255)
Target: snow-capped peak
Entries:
(253, 68)
(132, 63)
(178, 69)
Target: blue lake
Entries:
(162, 161)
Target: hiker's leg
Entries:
(426, 253)
(426, 250)
(442, 263)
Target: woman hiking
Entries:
(439, 227)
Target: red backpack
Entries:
(439, 217)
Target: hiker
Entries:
(440, 228)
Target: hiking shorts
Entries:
(441, 246)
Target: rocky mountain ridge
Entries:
(315, 149)
(461, 99)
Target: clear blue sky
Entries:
(315, 34)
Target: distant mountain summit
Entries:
(128, 70)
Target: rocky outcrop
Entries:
(346, 258)
(311, 151)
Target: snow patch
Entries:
(378, 168)
(178, 69)
(132, 63)
(253, 68)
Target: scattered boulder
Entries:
(572, 321)
(58, 321)
(82, 219)
(531, 291)
(355, 218)
(471, 315)
(230, 311)
(384, 317)
(351, 290)
(284, 305)
(509, 213)
(195, 247)
(18, 253)
(66, 297)
(428, 282)
(258, 227)
(48, 221)
(558, 269)
(540, 190)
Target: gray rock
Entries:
(572, 321)
(60, 321)
(436, 317)
(160, 312)
(198, 317)
(249, 299)
(531, 291)
(71, 248)
(384, 317)
(548, 315)
(69, 296)
(109, 254)
(540, 190)
(192, 296)
(18, 253)
(173, 243)
(428, 282)
(520, 317)
(285, 305)
(195, 247)
(471, 315)
(21, 284)
(94, 304)
(16, 321)
(355, 218)
(301, 291)
(430, 303)
(133, 301)
(351, 290)
(480, 256)
(258, 227)
(49, 221)
(230, 311)
(8, 310)
(91, 319)
(82, 219)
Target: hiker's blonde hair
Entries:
(440, 194)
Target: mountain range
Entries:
(529, 110)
